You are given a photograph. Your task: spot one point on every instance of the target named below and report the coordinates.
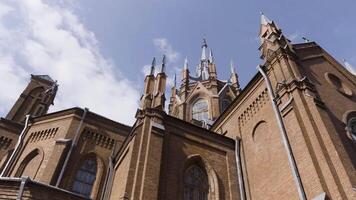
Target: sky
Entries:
(100, 51)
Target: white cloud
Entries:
(349, 67)
(41, 38)
(166, 48)
(294, 36)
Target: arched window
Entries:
(224, 104)
(351, 127)
(85, 177)
(30, 164)
(196, 185)
(200, 110)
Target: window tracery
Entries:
(196, 185)
(200, 110)
(85, 177)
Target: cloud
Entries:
(294, 36)
(349, 67)
(163, 46)
(41, 38)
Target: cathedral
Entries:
(290, 133)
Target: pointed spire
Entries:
(211, 57)
(175, 80)
(203, 53)
(264, 19)
(185, 63)
(163, 64)
(153, 66)
(232, 67)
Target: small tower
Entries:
(272, 39)
(234, 78)
(154, 92)
(35, 99)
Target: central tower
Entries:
(200, 99)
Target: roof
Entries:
(115, 126)
(46, 78)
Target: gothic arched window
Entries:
(200, 110)
(224, 104)
(196, 185)
(351, 127)
(85, 177)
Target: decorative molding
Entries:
(98, 138)
(5, 142)
(43, 135)
(253, 108)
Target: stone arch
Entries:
(30, 164)
(347, 117)
(260, 126)
(100, 169)
(210, 172)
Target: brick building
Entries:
(289, 134)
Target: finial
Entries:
(203, 53)
(232, 67)
(185, 63)
(153, 66)
(204, 43)
(163, 63)
(264, 19)
(305, 39)
(175, 80)
(211, 58)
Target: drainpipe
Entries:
(108, 180)
(17, 148)
(73, 145)
(284, 136)
(24, 180)
(239, 169)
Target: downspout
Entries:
(284, 136)
(239, 169)
(109, 177)
(17, 148)
(73, 145)
(24, 180)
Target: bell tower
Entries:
(35, 99)
(200, 99)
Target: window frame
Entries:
(82, 182)
(202, 113)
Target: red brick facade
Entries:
(203, 148)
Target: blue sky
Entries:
(99, 50)
(126, 29)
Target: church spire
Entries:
(234, 78)
(264, 19)
(232, 67)
(211, 57)
(272, 38)
(185, 67)
(204, 47)
(152, 71)
(163, 64)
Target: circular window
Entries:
(351, 127)
(338, 84)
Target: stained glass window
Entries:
(200, 110)
(195, 184)
(352, 127)
(85, 177)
